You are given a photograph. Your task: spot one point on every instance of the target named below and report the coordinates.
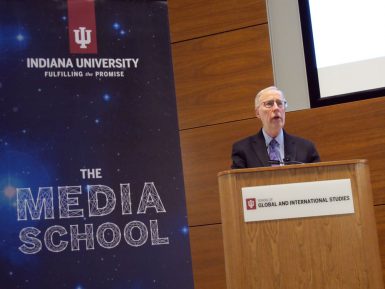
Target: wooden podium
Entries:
(321, 252)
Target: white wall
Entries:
(287, 52)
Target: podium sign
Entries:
(307, 199)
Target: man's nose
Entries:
(275, 105)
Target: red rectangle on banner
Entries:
(82, 26)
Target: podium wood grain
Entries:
(329, 252)
(208, 256)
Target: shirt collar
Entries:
(278, 138)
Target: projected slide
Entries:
(349, 45)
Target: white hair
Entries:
(263, 91)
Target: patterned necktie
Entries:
(274, 154)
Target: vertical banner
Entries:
(91, 183)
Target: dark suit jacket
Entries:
(252, 152)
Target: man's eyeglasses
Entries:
(270, 103)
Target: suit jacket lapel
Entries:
(259, 146)
(290, 147)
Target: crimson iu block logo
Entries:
(82, 26)
(251, 204)
(82, 37)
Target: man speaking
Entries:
(272, 145)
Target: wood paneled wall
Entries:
(221, 56)
(216, 74)
(191, 19)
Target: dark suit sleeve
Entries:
(238, 157)
(314, 156)
(308, 152)
(300, 150)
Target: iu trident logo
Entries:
(251, 204)
(82, 27)
(82, 37)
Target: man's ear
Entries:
(257, 113)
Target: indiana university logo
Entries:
(251, 204)
(82, 26)
(82, 37)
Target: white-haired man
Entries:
(272, 145)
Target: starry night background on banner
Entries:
(50, 128)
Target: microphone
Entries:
(275, 162)
(285, 161)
